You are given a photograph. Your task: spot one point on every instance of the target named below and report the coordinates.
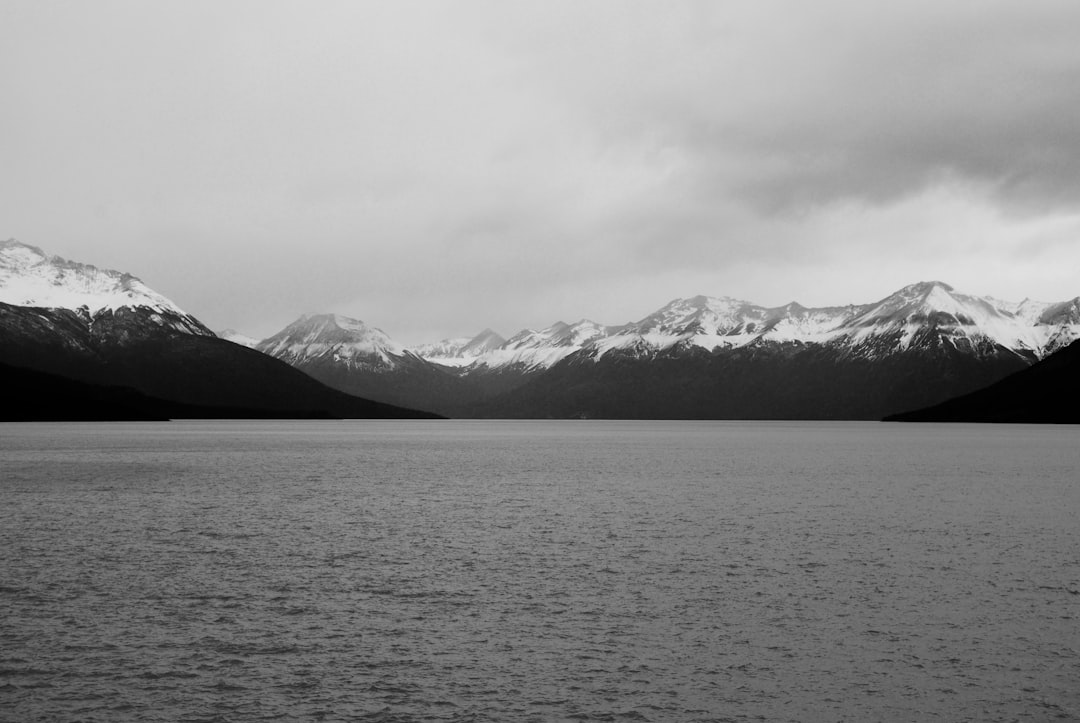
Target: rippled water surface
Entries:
(536, 571)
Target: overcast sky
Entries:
(434, 168)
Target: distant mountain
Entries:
(461, 351)
(698, 357)
(107, 328)
(931, 314)
(453, 377)
(495, 366)
(1047, 392)
(703, 357)
(923, 315)
(723, 358)
(348, 341)
(774, 381)
(353, 357)
(237, 338)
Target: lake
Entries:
(539, 571)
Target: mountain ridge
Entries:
(106, 329)
(30, 277)
(699, 356)
(720, 357)
(1028, 328)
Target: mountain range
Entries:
(696, 357)
(700, 357)
(112, 336)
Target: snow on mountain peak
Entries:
(461, 351)
(704, 321)
(529, 348)
(485, 341)
(30, 277)
(934, 307)
(702, 314)
(237, 338)
(925, 310)
(924, 287)
(532, 349)
(341, 338)
(917, 301)
(449, 352)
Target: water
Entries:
(539, 571)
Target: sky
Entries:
(434, 168)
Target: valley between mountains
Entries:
(699, 357)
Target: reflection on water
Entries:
(536, 571)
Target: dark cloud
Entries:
(803, 105)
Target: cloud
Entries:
(790, 104)
(441, 167)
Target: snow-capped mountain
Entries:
(706, 357)
(932, 312)
(29, 277)
(461, 351)
(922, 315)
(86, 325)
(700, 357)
(716, 323)
(1061, 321)
(237, 338)
(351, 356)
(530, 350)
(334, 338)
(696, 357)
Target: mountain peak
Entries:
(701, 315)
(482, 342)
(925, 297)
(331, 321)
(237, 338)
(333, 328)
(925, 287)
(702, 301)
(18, 246)
(30, 277)
(931, 312)
(316, 335)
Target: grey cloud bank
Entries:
(435, 168)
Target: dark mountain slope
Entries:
(1047, 392)
(354, 358)
(127, 348)
(420, 384)
(791, 381)
(33, 396)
